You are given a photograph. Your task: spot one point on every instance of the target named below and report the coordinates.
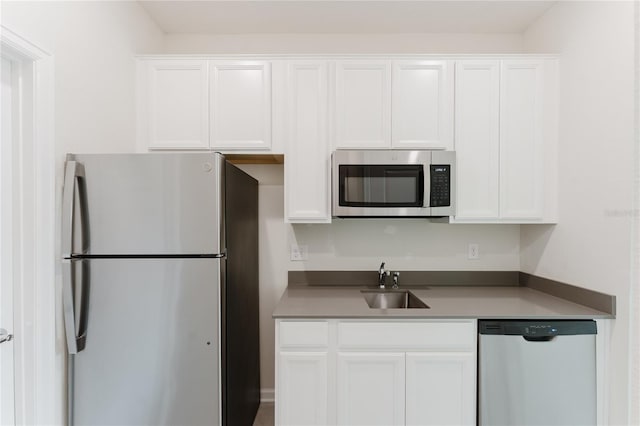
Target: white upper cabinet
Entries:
(363, 104)
(394, 104)
(422, 110)
(498, 113)
(521, 139)
(506, 140)
(477, 141)
(307, 151)
(175, 104)
(202, 104)
(240, 112)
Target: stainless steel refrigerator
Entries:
(160, 290)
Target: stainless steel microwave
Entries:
(393, 183)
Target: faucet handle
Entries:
(396, 275)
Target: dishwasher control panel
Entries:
(536, 328)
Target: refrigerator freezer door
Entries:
(149, 204)
(152, 344)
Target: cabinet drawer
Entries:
(301, 334)
(454, 335)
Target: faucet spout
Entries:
(382, 275)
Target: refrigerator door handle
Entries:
(75, 342)
(67, 306)
(74, 182)
(74, 172)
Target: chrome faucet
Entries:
(382, 275)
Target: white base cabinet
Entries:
(376, 372)
(370, 388)
(449, 402)
(303, 384)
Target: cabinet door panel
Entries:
(177, 104)
(422, 104)
(477, 141)
(302, 389)
(521, 140)
(370, 389)
(307, 150)
(240, 105)
(363, 105)
(441, 389)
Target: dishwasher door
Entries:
(537, 373)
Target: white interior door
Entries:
(7, 406)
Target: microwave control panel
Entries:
(440, 185)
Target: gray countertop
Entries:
(515, 302)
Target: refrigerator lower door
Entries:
(152, 351)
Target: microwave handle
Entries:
(426, 202)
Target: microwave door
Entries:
(403, 187)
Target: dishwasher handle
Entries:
(538, 338)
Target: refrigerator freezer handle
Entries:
(74, 172)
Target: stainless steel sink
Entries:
(392, 299)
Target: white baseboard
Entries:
(267, 395)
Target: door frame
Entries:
(39, 351)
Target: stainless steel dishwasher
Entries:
(537, 373)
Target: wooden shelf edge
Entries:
(255, 158)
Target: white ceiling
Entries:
(343, 16)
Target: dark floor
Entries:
(265, 415)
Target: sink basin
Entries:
(392, 299)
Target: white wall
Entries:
(93, 46)
(344, 43)
(406, 244)
(591, 245)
